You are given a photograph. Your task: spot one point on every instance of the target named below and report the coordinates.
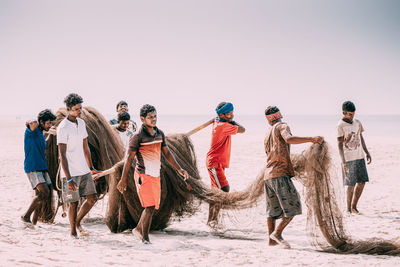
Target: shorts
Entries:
(357, 172)
(218, 178)
(38, 177)
(148, 189)
(282, 197)
(85, 186)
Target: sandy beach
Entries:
(188, 241)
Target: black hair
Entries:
(147, 109)
(271, 110)
(46, 115)
(72, 100)
(123, 116)
(348, 106)
(220, 105)
(120, 103)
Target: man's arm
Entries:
(241, 129)
(294, 140)
(88, 157)
(127, 167)
(32, 125)
(172, 161)
(64, 164)
(52, 131)
(341, 152)
(369, 159)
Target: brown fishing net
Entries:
(179, 197)
(176, 199)
(325, 220)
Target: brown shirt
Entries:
(278, 152)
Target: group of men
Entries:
(147, 143)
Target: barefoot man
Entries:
(282, 198)
(76, 163)
(218, 156)
(35, 163)
(351, 149)
(146, 145)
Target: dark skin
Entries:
(122, 107)
(213, 211)
(42, 190)
(276, 232)
(74, 216)
(122, 126)
(144, 224)
(353, 192)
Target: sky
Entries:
(184, 57)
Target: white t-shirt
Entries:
(72, 134)
(351, 133)
(125, 138)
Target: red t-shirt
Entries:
(220, 151)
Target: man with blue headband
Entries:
(218, 156)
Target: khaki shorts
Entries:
(282, 197)
(85, 186)
(36, 178)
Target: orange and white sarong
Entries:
(149, 189)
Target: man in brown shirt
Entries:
(282, 198)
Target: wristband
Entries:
(91, 168)
(69, 180)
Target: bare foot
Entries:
(272, 242)
(146, 242)
(82, 231)
(279, 239)
(355, 211)
(74, 235)
(26, 219)
(214, 225)
(136, 233)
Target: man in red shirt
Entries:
(220, 152)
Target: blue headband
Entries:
(228, 107)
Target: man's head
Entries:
(74, 104)
(45, 119)
(273, 114)
(123, 120)
(122, 105)
(348, 109)
(148, 115)
(225, 111)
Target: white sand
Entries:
(189, 241)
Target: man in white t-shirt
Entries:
(77, 168)
(122, 128)
(351, 149)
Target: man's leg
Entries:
(85, 208)
(147, 215)
(42, 193)
(213, 211)
(277, 234)
(271, 228)
(350, 191)
(72, 211)
(357, 194)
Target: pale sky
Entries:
(185, 57)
